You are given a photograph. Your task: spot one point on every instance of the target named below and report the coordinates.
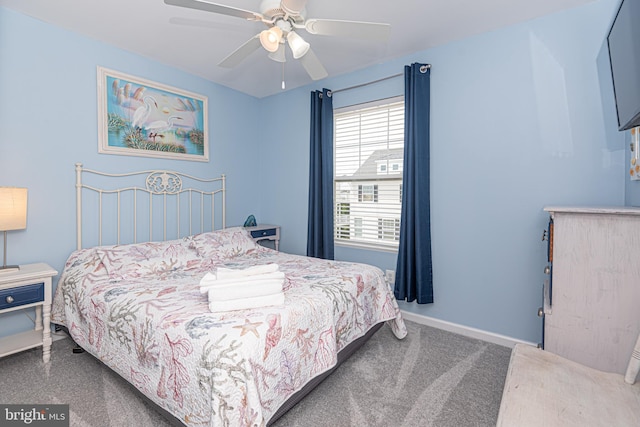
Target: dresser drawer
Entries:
(263, 233)
(21, 295)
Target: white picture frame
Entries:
(139, 117)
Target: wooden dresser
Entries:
(592, 297)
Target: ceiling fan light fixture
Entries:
(298, 46)
(270, 39)
(278, 55)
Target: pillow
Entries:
(83, 268)
(84, 261)
(220, 245)
(161, 259)
(82, 264)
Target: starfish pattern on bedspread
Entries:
(249, 327)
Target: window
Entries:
(389, 229)
(368, 193)
(343, 228)
(387, 166)
(368, 156)
(357, 227)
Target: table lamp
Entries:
(13, 216)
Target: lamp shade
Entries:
(278, 55)
(270, 39)
(13, 208)
(298, 46)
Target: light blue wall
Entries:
(48, 122)
(521, 118)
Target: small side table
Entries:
(265, 232)
(30, 286)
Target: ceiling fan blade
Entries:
(314, 67)
(199, 23)
(216, 8)
(362, 30)
(293, 7)
(279, 55)
(238, 55)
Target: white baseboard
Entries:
(467, 331)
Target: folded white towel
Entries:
(209, 277)
(245, 303)
(207, 282)
(228, 273)
(256, 288)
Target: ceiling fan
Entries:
(283, 18)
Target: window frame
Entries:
(390, 177)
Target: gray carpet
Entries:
(431, 378)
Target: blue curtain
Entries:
(320, 227)
(414, 276)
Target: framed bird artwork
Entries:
(138, 117)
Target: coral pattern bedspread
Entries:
(138, 308)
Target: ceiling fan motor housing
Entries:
(272, 9)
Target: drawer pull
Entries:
(9, 299)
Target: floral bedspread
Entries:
(138, 308)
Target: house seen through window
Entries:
(368, 156)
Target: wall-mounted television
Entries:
(624, 55)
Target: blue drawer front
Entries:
(263, 233)
(22, 295)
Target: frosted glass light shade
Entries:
(298, 46)
(13, 208)
(270, 39)
(278, 55)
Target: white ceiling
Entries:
(195, 41)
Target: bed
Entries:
(137, 307)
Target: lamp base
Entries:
(8, 268)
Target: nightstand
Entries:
(265, 232)
(30, 286)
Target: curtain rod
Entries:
(423, 69)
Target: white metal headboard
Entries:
(166, 186)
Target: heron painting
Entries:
(138, 117)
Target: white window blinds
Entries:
(368, 156)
